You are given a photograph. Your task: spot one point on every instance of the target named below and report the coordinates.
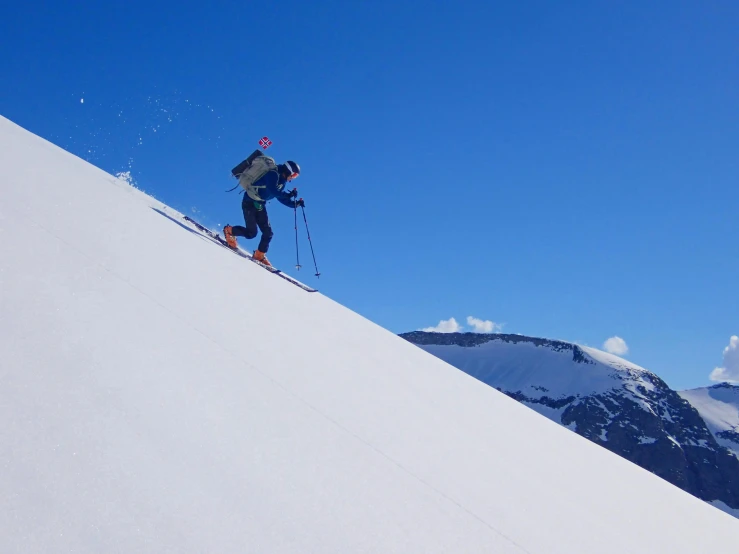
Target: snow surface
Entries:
(613, 361)
(719, 408)
(159, 394)
(514, 366)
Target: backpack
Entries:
(238, 170)
(253, 168)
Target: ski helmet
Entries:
(292, 168)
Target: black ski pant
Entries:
(255, 215)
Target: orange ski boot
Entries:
(230, 238)
(260, 257)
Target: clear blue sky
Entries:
(567, 169)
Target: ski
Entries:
(222, 241)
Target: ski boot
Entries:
(260, 257)
(230, 238)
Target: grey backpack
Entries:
(253, 168)
(258, 169)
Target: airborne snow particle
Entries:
(82, 100)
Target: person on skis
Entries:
(254, 205)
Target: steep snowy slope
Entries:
(612, 402)
(719, 407)
(159, 394)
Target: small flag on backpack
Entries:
(265, 143)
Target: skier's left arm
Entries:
(286, 197)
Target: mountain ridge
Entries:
(718, 405)
(613, 402)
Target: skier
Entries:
(270, 185)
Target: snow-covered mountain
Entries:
(719, 407)
(612, 402)
(151, 402)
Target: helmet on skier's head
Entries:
(292, 170)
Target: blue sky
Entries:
(567, 170)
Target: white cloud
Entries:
(445, 326)
(616, 345)
(730, 370)
(480, 326)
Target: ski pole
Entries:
(297, 252)
(318, 273)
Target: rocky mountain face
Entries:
(719, 407)
(610, 401)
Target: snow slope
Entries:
(719, 407)
(159, 394)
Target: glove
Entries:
(300, 203)
(294, 193)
